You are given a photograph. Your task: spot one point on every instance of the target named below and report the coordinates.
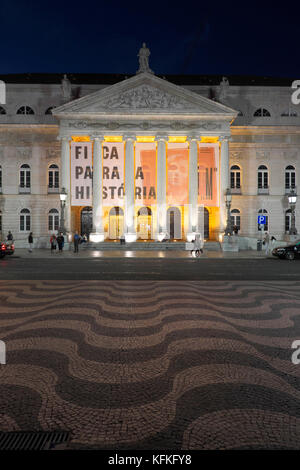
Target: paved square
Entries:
(152, 364)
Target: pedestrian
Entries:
(83, 239)
(76, 242)
(10, 237)
(198, 245)
(30, 241)
(266, 243)
(53, 242)
(235, 229)
(60, 241)
(273, 240)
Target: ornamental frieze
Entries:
(146, 97)
(145, 125)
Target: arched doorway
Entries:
(144, 223)
(174, 222)
(86, 221)
(116, 222)
(203, 222)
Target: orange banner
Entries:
(177, 173)
(208, 175)
(145, 173)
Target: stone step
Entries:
(137, 246)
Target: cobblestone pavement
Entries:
(152, 365)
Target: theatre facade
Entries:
(146, 157)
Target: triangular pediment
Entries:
(143, 94)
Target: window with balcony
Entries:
(290, 178)
(25, 179)
(236, 218)
(53, 179)
(235, 179)
(263, 180)
(53, 220)
(25, 222)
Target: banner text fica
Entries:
(81, 174)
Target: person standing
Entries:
(76, 242)
(267, 242)
(53, 242)
(198, 245)
(10, 237)
(30, 241)
(60, 241)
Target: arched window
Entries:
(263, 177)
(25, 176)
(288, 220)
(48, 110)
(266, 225)
(25, 110)
(0, 179)
(53, 220)
(290, 177)
(53, 177)
(235, 177)
(261, 112)
(235, 218)
(25, 222)
(2, 110)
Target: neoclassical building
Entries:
(145, 156)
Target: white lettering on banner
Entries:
(81, 174)
(113, 174)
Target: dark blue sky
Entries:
(188, 37)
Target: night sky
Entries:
(187, 37)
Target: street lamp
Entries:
(63, 196)
(228, 197)
(292, 196)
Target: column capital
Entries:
(191, 138)
(128, 137)
(223, 138)
(162, 137)
(64, 138)
(97, 137)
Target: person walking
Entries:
(53, 242)
(198, 246)
(267, 243)
(60, 241)
(30, 241)
(76, 242)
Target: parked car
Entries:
(6, 248)
(288, 252)
(2, 250)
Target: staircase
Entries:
(146, 246)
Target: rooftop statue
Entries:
(143, 56)
(224, 84)
(66, 88)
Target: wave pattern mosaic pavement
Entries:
(152, 365)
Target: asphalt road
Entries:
(148, 269)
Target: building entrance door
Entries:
(116, 223)
(86, 221)
(174, 222)
(144, 223)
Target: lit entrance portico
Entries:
(145, 144)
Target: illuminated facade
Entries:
(143, 157)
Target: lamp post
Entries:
(228, 197)
(292, 202)
(63, 197)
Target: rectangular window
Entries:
(287, 223)
(56, 222)
(232, 180)
(28, 222)
(27, 179)
(22, 223)
(259, 180)
(56, 179)
(50, 179)
(265, 180)
(238, 180)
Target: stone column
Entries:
(129, 229)
(66, 180)
(161, 194)
(193, 187)
(98, 233)
(224, 180)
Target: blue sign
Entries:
(261, 219)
